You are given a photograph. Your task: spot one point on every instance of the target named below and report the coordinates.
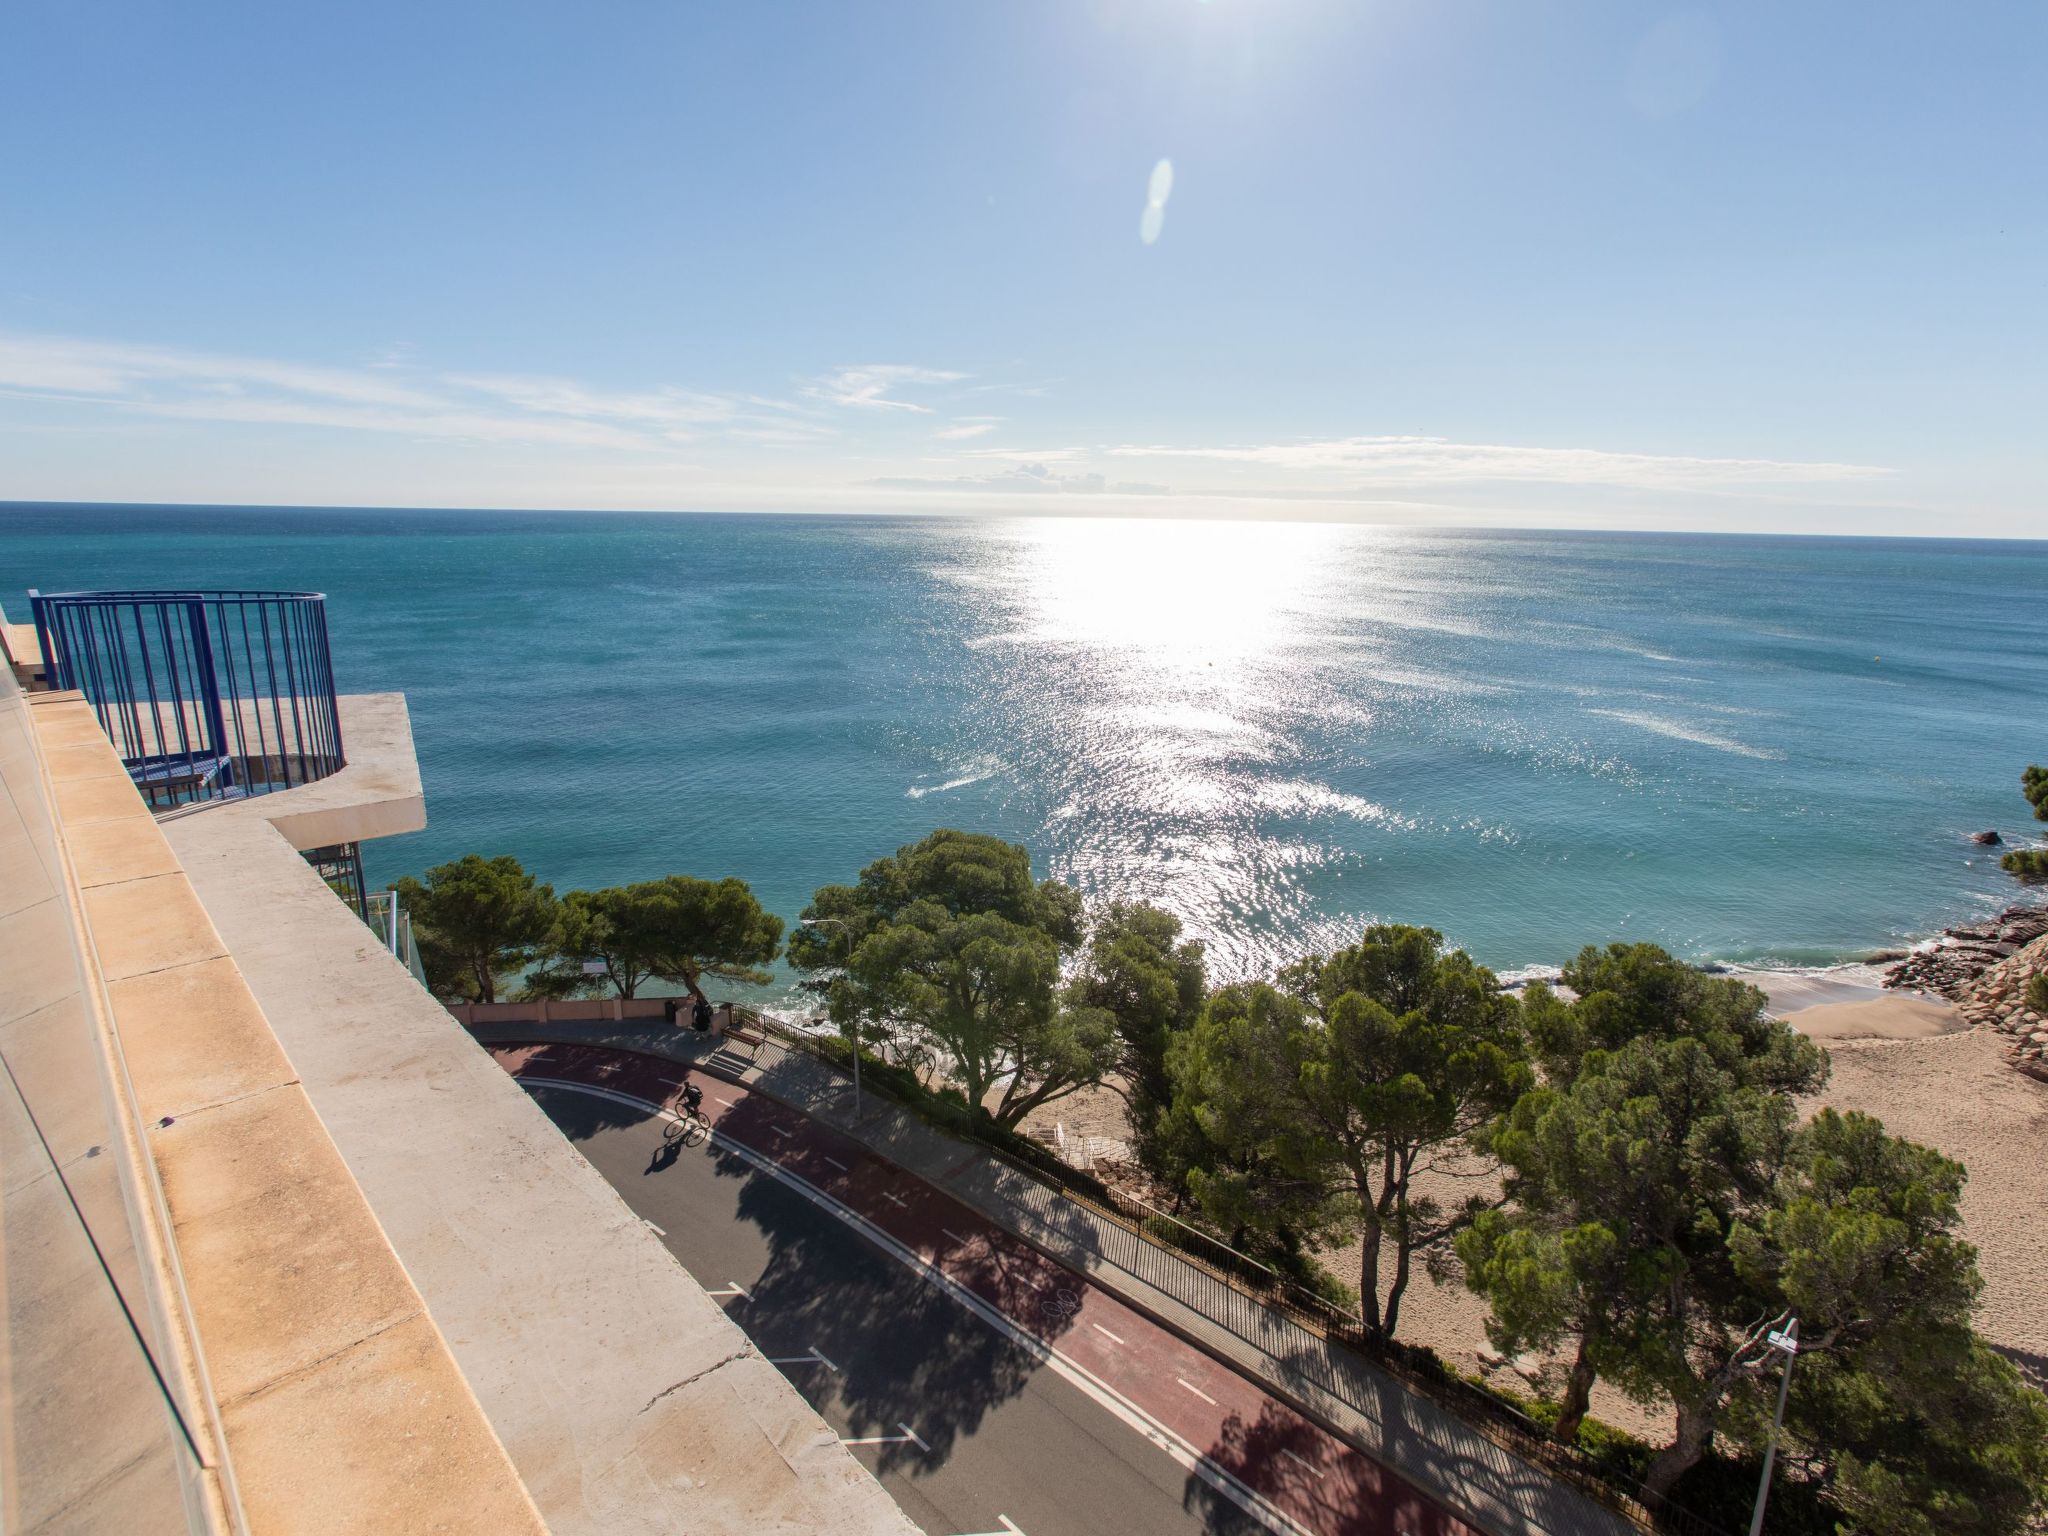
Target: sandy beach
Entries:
(1956, 1093)
(1895, 1016)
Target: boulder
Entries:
(1986, 839)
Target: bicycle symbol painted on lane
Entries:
(1060, 1306)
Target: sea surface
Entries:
(1762, 751)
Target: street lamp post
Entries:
(1788, 1341)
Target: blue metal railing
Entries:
(206, 695)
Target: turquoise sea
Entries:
(1756, 750)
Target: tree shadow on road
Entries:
(906, 1352)
(597, 1068)
(1288, 1460)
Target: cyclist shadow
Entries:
(675, 1136)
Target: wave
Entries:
(1303, 797)
(971, 773)
(1678, 730)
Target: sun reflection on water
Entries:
(1155, 681)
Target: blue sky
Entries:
(1742, 267)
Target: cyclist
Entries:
(693, 1098)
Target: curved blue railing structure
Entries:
(206, 695)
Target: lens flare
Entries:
(1157, 190)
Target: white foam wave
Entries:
(1304, 797)
(1679, 730)
(970, 773)
(1519, 978)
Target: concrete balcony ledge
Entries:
(383, 1292)
(625, 1398)
(376, 794)
(313, 1391)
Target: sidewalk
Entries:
(1408, 1433)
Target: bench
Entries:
(733, 1028)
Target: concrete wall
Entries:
(306, 1388)
(565, 1010)
(88, 1441)
(382, 1291)
(627, 1400)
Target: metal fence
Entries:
(389, 920)
(206, 695)
(341, 866)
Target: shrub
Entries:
(2037, 992)
(2027, 863)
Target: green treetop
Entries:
(2031, 863)
(479, 922)
(1625, 1183)
(1138, 970)
(677, 929)
(1631, 992)
(1329, 1094)
(1667, 1214)
(950, 946)
(1634, 1147)
(1855, 1236)
(1913, 1424)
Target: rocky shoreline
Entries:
(1983, 968)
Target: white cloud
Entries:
(870, 387)
(855, 437)
(1421, 460)
(62, 366)
(1030, 477)
(1028, 455)
(566, 397)
(388, 397)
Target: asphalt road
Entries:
(991, 1388)
(881, 1354)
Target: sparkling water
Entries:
(1758, 750)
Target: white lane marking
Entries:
(1306, 1466)
(1225, 1482)
(732, 1288)
(1010, 1528)
(779, 1131)
(908, 1434)
(812, 1357)
(889, 1195)
(728, 1103)
(955, 1235)
(1205, 1397)
(1105, 1333)
(660, 1230)
(837, 1164)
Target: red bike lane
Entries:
(1325, 1485)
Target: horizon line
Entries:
(8, 505)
